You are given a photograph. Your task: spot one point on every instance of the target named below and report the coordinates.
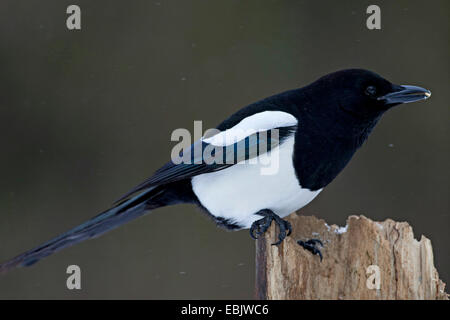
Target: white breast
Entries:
(240, 191)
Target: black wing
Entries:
(202, 157)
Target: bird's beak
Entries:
(406, 94)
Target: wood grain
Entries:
(406, 265)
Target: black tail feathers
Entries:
(121, 213)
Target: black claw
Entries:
(314, 242)
(310, 245)
(259, 227)
(282, 234)
(251, 233)
(281, 237)
(288, 227)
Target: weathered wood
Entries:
(406, 265)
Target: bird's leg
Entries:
(311, 245)
(260, 226)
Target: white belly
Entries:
(240, 191)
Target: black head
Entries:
(364, 94)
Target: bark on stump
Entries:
(406, 268)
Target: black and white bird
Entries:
(310, 134)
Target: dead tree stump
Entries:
(364, 260)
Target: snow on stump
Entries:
(364, 260)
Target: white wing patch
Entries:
(262, 121)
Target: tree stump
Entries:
(364, 260)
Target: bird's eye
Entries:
(371, 91)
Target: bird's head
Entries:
(364, 94)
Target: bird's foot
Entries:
(311, 245)
(260, 226)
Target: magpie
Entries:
(311, 133)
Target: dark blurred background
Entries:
(86, 115)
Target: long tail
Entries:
(105, 221)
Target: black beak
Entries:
(406, 94)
